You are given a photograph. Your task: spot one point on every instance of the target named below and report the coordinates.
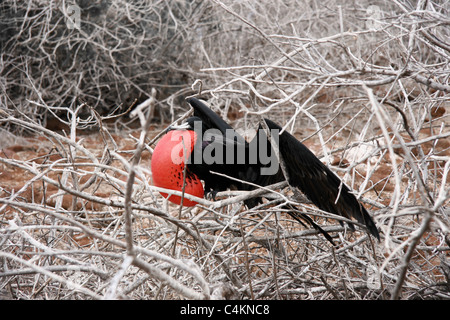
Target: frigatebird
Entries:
(218, 155)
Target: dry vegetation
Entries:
(366, 87)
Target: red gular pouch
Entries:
(168, 162)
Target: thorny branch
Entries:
(367, 86)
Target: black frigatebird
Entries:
(216, 148)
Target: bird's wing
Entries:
(318, 183)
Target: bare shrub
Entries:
(113, 54)
(365, 86)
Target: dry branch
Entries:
(365, 87)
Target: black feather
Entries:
(306, 172)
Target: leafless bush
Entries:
(367, 88)
(58, 54)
